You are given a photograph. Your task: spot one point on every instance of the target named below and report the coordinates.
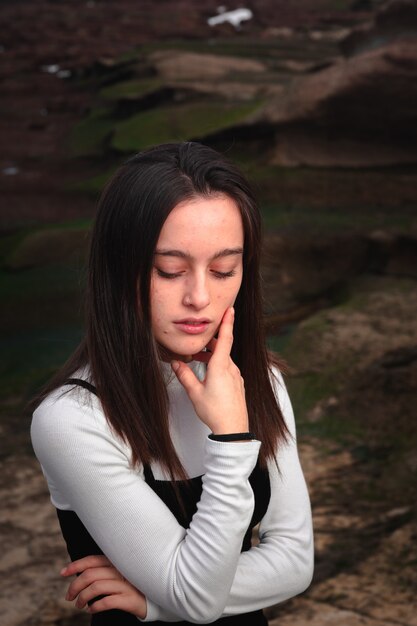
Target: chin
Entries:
(184, 349)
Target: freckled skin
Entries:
(199, 285)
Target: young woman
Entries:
(169, 434)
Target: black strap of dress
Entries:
(82, 383)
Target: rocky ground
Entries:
(358, 383)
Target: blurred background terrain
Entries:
(317, 102)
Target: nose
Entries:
(196, 293)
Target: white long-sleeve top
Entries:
(196, 574)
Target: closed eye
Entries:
(167, 274)
(172, 275)
(224, 274)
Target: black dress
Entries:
(80, 543)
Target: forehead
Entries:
(202, 224)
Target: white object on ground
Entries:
(235, 18)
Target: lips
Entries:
(193, 326)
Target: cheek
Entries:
(158, 316)
(157, 309)
(161, 304)
(233, 290)
(156, 305)
(226, 297)
(158, 294)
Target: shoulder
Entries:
(70, 418)
(67, 405)
(75, 445)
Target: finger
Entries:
(89, 576)
(100, 588)
(114, 601)
(106, 603)
(131, 600)
(186, 377)
(80, 565)
(225, 337)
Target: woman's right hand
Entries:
(99, 586)
(219, 400)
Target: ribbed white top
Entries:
(198, 574)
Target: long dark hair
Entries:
(119, 345)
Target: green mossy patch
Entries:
(131, 89)
(43, 264)
(245, 47)
(306, 338)
(41, 308)
(178, 123)
(29, 358)
(93, 186)
(89, 137)
(222, 47)
(348, 361)
(33, 294)
(41, 316)
(308, 385)
(49, 246)
(330, 199)
(331, 220)
(134, 54)
(9, 243)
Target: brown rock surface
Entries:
(303, 271)
(395, 19)
(312, 147)
(174, 65)
(231, 90)
(33, 551)
(301, 267)
(356, 112)
(385, 394)
(378, 318)
(396, 254)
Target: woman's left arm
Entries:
(281, 565)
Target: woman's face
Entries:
(197, 273)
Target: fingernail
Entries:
(63, 571)
(175, 365)
(232, 310)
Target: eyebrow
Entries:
(184, 255)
